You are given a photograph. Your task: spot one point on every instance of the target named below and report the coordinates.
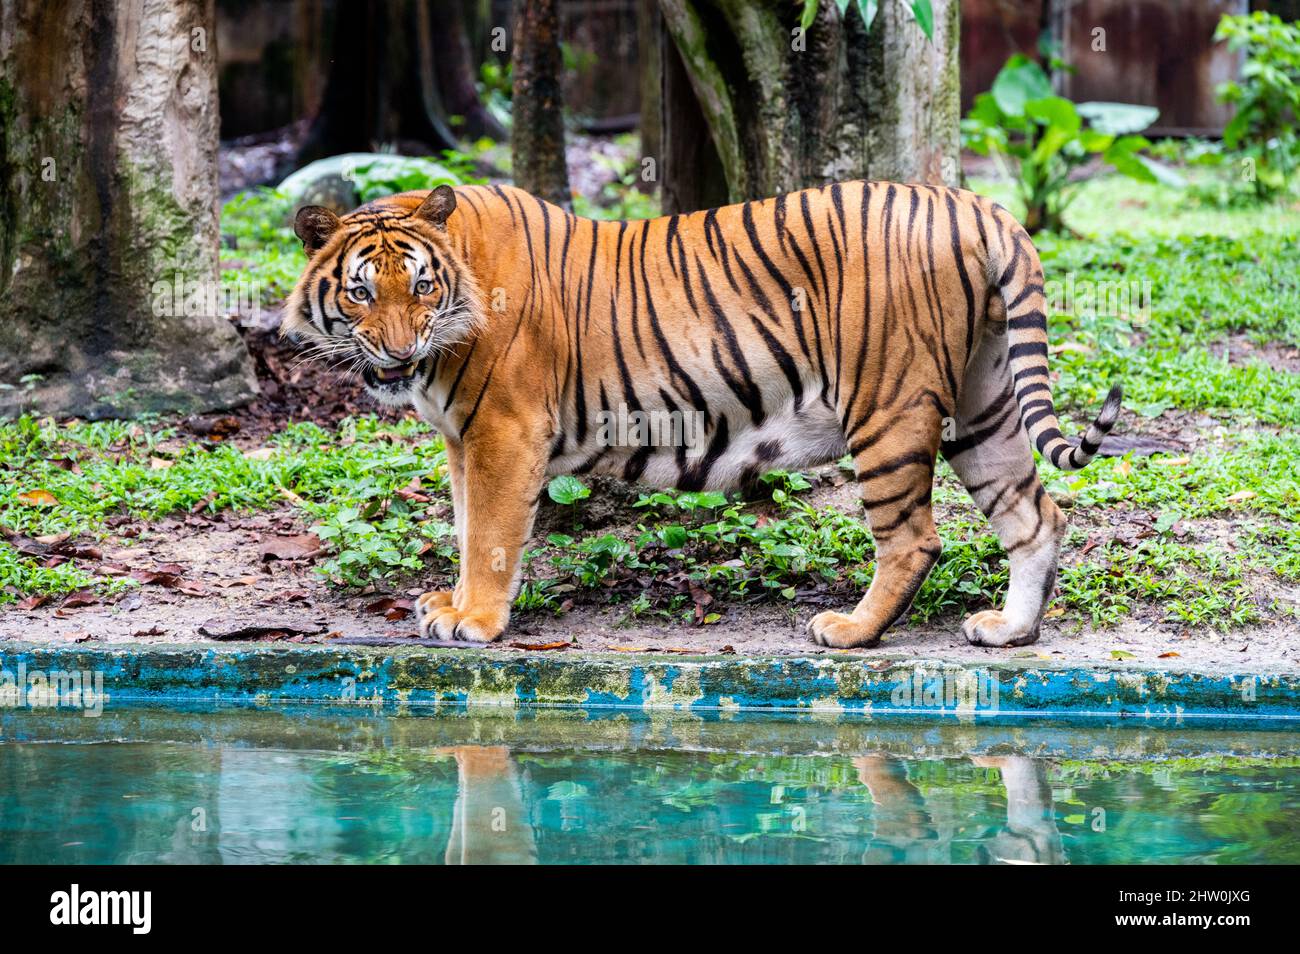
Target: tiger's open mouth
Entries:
(389, 380)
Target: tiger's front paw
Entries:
(840, 632)
(431, 601)
(447, 622)
(992, 628)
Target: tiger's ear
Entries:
(314, 224)
(437, 205)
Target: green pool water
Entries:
(245, 786)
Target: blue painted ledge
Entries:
(864, 685)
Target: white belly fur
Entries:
(805, 439)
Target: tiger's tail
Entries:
(1020, 283)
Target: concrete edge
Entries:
(842, 684)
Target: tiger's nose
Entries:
(401, 355)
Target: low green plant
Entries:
(1265, 100)
(389, 175)
(1051, 137)
(258, 244)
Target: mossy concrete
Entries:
(846, 684)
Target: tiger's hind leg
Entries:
(894, 463)
(990, 453)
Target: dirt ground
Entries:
(206, 579)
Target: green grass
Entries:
(1113, 203)
(1218, 531)
(344, 480)
(266, 255)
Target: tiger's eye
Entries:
(423, 286)
(359, 294)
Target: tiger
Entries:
(888, 322)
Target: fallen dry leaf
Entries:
(394, 610)
(540, 646)
(160, 463)
(31, 602)
(64, 463)
(1123, 468)
(37, 498)
(241, 581)
(1173, 461)
(80, 598)
(303, 546)
(1240, 496)
(261, 453)
(1168, 655)
(156, 578)
(213, 428)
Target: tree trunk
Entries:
(109, 294)
(914, 97)
(382, 87)
(457, 71)
(537, 136)
(649, 33)
(691, 170)
(787, 110)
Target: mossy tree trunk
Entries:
(109, 296)
(786, 109)
(537, 133)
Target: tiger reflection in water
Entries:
(491, 825)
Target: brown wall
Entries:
(1157, 52)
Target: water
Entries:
(245, 786)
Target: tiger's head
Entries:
(384, 292)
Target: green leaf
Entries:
(809, 14)
(1236, 129)
(1093, 141)
(1054, 111)
(923, 13)
(1020, 81)
(1121, 654)
(1163, 173)
(867, 9)
(567, 489)
(985, 110)
(673, 536)
(1118, 119)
